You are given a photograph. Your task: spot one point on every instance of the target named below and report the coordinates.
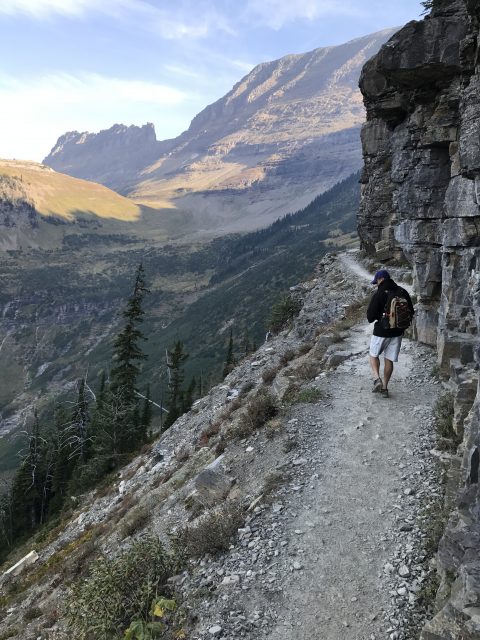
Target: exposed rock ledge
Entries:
(421, 197)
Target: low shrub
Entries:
(119, 591)
(135, 521)
(32, 613)
(290, 393)
(295, 395)
(261, 408)
(307, 370)
(286, 357)
(247, 387)
(12, 632)
(268, 376)
(273, 428)
(443, 412)
(436, 520)
(305, 348)
(283, 312)
(312, 394)
(211, 533)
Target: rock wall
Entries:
(421, 200)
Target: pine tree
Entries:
(80, 425)
(127, 357)
(32, 484)
(6, 524)
(127, 352)
(247, 347)
(188, 400)
(146, 418)
(176, 359)
(230, 358)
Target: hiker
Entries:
(385, 339)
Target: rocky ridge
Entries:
(328, 540)
(420, 200)
(285, 133)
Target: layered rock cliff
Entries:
(420, 199)
(112, 157)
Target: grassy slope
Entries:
(56, 194)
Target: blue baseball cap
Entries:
(383, 273)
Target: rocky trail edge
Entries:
(339, 554)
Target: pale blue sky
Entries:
(87, 64)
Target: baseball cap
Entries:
(383, 273)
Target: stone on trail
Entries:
(216, 630)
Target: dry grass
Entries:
(268, 376)
(135, 521)
(307, 370)
(260, 409)
(211, 533)
(273, 428)
(287, 357)
(32, 613)
(305, 348)
(295, 395)
(274, 481)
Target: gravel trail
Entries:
(345, 528)
(336, 550)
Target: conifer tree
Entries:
(127, 351)
(176, 359)
(188, 400)
(6, 523)
(32, 485)
(127, 357)
(64, 464)
(146, 418)
(230, 358)
(247, 347)
(80, 425)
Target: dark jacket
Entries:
(376, 308)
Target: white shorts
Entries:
(390, 347)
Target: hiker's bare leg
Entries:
(375, 364)
(387, 372)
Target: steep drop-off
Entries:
(421, 198)
(286, 132)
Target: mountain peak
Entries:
(284, 133)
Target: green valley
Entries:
(60, 307)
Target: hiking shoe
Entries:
(377, 386)
(384, 393)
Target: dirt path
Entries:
(365, 451)
(335, 553)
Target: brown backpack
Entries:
(397, 310)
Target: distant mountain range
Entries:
(286, 132)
